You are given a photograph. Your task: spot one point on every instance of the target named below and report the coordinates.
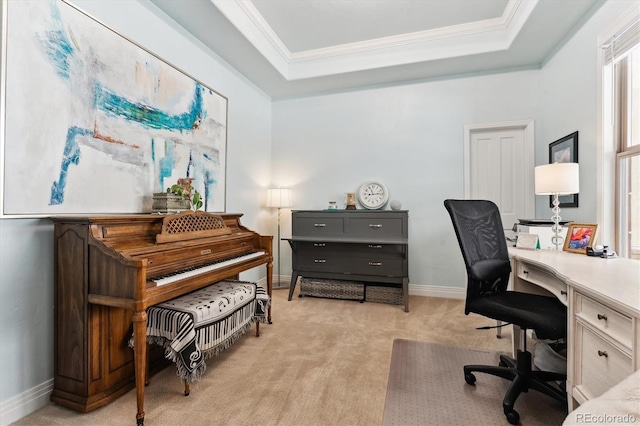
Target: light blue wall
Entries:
(570, 103)
(26, 245)
(410, 137)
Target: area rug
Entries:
(426, 387)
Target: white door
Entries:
(499, 167)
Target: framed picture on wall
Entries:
(565, 150)
(95, 123)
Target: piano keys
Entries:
(109, 269)
(191, 272)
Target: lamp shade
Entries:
(557, 178)
(279, 197)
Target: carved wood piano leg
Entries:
(269, 289)
(146, 367)
(257, 329)
(140, 356)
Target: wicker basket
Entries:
(382, 294)
(334, 289)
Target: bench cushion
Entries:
(203, 323)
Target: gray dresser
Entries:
(358, 245)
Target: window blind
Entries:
(622, 42)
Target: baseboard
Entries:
(414, 290)
(437, 291)
(25, 403)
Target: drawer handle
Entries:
(375, 246)
(318, 244)
(525, 272)
(603, 353)
(375, 225)
(602, 317)
(319, 225)
(320, 260)
(375, 263)
(562, 292)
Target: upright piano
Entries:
(110, 269)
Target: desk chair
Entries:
(481, 238)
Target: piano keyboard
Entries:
(177, 276)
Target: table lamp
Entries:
(279, 198)
(557, 179)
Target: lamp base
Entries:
(557, 239)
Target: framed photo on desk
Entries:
(579, 236)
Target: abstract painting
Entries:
(94, 123)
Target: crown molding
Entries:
(457, 40)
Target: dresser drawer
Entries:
(361, 248)
(376, 226)
(321, 226)
(315, 261)
(600, 365)
(542, 279)
(605, 319)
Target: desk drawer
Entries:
(543, 279)
(599, 364)
(605, 319)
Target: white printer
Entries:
(542, 228)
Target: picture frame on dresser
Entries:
(579, 237)
(564, 150)
(108, 134)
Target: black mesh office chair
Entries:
(481, 238)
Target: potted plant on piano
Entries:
(179, 197)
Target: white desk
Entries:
(603, 307)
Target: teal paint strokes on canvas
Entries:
(57, 45)
(119, 106)
(70, 156)
(166, 163)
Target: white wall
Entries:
(26, 245)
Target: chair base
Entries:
(519, 372)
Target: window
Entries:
(620, 155)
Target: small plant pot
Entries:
(166, 202)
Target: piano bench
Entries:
(203, 323)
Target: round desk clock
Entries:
(373, 195)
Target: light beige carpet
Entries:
(322, 362)
(426, 387)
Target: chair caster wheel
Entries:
(513, 417)
(470, 378)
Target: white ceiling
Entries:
(301, 47)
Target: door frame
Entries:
(527, 162)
